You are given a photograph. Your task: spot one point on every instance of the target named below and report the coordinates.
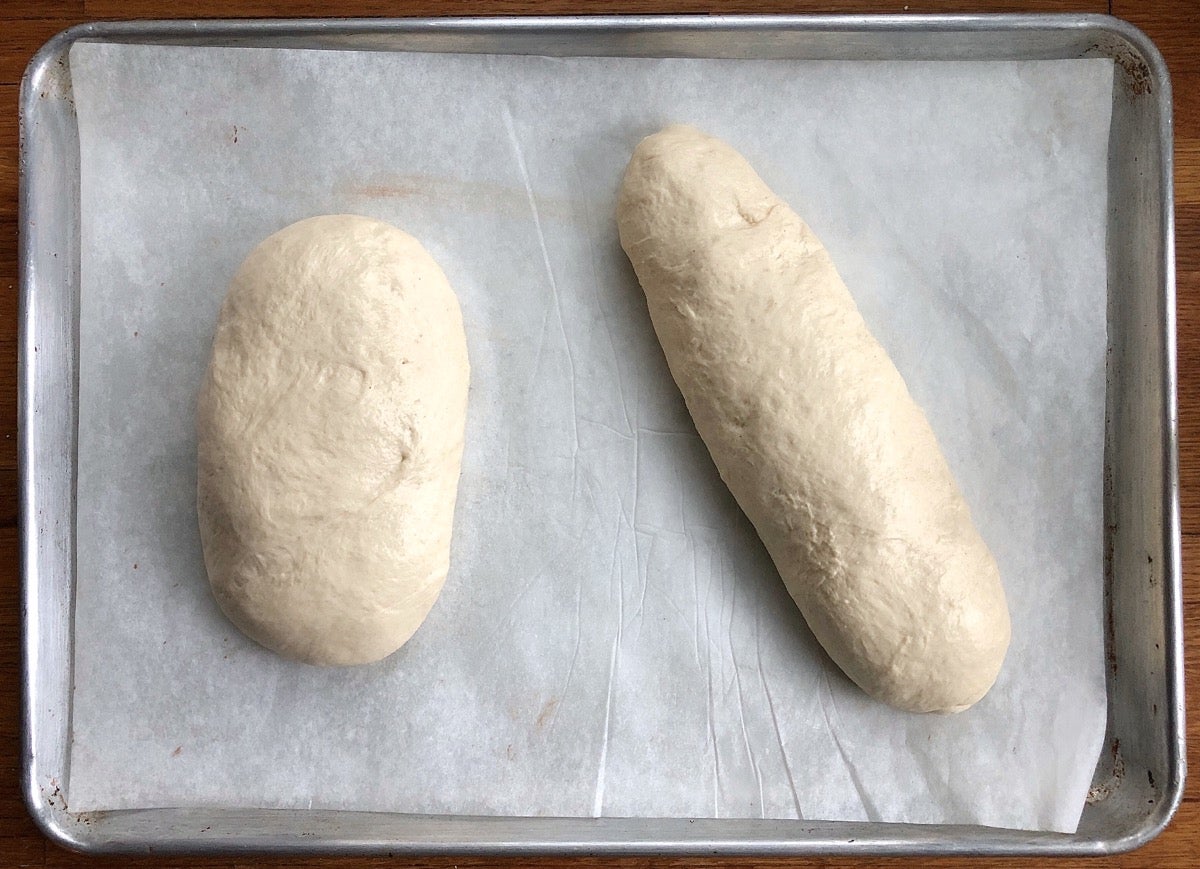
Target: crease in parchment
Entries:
(825, 700)
(535, 214)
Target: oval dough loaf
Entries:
(330, 428)
(812, 427)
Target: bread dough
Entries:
(812, 428)
(330, 428)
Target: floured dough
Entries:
(330, 428)
(812, 427)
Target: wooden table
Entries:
(26, 24)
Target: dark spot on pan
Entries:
(1137, 72)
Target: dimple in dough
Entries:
(330, 427)
(812, 428)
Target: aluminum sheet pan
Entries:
(1137, 784)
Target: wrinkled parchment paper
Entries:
(612, 640)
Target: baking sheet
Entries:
(612, 640)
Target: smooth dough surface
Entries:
(812, 427)
(330, 427)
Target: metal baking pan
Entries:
(1138, 781)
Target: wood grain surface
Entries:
(25, 24)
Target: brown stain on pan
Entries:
(547, 712)
(478, 195)
(1137, 71)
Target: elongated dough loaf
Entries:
(330, 428)
(812, 428)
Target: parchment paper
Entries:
(613, 639)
